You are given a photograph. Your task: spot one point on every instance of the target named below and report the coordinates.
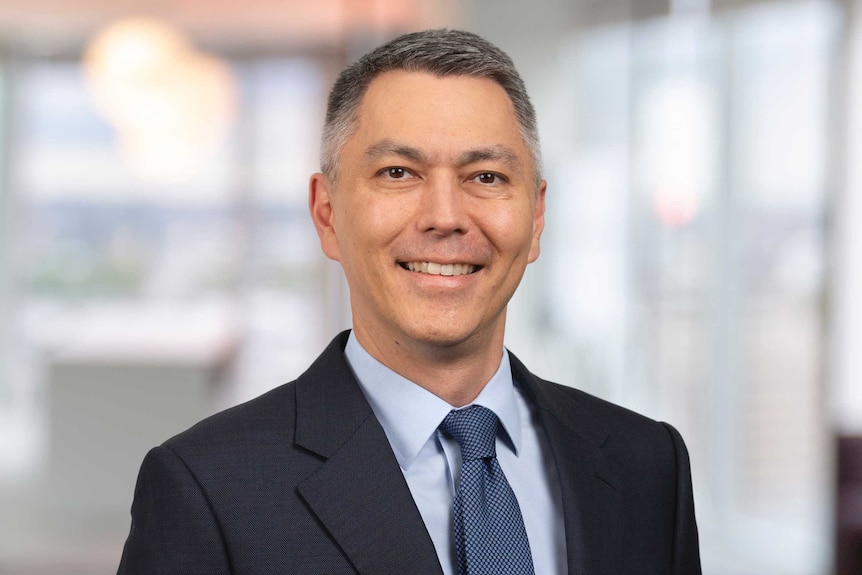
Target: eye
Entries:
(489, 178)
(395, 173)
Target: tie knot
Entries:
(475, 430)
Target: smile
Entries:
(436, 269)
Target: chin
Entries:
(445, 336)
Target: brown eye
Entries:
(396, 173)
(487, 178)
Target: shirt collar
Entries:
(410, 414)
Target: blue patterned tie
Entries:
(490, 538)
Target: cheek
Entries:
(383, 221)
(365, 237)
(513, 231)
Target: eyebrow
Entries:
(490, 153)
(495, 153)
(389, 147)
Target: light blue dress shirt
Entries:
(431, 461)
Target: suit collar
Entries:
(358, 493)
(330, 405)
(589, 483)
(560, 406)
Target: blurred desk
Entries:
(104, 417)
(118, 380)
(138, 377)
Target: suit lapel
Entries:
(361, 498)
(359, 493)
(588, 482)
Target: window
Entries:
(687, 271)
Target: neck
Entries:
(456, 373)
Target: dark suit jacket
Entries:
(303, 481)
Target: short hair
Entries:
(440, 52)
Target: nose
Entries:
(443, 209)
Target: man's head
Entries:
(438, 52)
(434, 210)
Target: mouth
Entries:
(437, 269)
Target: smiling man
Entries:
(416, 443)
(434, 212)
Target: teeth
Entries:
(441, 269)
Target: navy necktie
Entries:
(490, 538)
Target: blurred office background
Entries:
(702, 261)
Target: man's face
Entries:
(435, 213)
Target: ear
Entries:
(538, 220)
(323, 215)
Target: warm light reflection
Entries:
(169, 103)
(675, 208)
(677, 131)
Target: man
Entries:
(432, 200)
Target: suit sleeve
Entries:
(173, 528)
(686, 553)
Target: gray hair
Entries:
(441, 52)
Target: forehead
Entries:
(423, 108)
